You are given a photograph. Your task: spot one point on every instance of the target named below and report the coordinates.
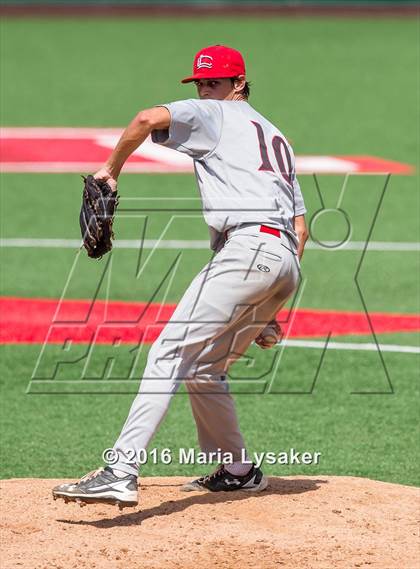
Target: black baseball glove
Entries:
(99, 203)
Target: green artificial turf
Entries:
(52, 203)
(333, 87)
(63, 435)
(328, 278)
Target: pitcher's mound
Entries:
(298, 522)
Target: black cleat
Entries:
(223, 481)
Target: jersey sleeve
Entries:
(195, 128)
(299, 204)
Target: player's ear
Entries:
(239, 83)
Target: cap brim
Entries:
(190, 79)
(198, 76)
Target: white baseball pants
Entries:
(223, 310)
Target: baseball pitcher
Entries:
(253, 205)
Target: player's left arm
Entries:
(135, 134)
(299, 222)
(302, 233)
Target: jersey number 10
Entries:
(281, 152)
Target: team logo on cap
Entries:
(205, 61)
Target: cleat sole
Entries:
(260, 488)
(99, 500)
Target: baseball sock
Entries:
(238, 468)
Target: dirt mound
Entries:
(298, 522)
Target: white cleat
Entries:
(101, 486)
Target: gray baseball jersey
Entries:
(244, 166)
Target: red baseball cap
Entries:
(216, 61)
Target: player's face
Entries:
(219, 89)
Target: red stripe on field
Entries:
(27, 320)
(53, 150)
(372, 164)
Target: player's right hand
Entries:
(104, 175)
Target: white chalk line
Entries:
(203, 244)
(357, 346)
(353, 346)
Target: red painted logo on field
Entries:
(86, 149)
(26, 320)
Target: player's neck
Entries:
(237, 97)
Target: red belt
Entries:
(271, 230)
(263, 229)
